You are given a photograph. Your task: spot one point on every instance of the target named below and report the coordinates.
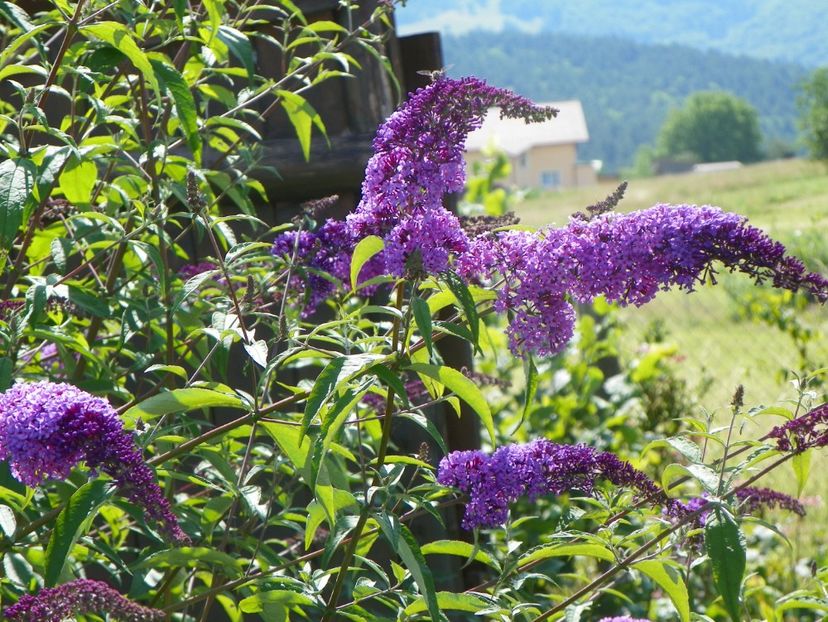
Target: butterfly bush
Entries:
(418, 158)
(541, 467)
(628, 258)
(755, 499)
(623, 619)
(47, 428)
(803, 433)
(79, 597)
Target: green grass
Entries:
(789, 200)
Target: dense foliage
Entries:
(627, 89)
(712, 127)
(205, 418)
(813, 105)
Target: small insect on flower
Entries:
(434, 74)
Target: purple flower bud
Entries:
(803, 433)
(755, 499)
(47, 428)
(190, 270)
(79, 597)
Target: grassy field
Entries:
(789, 200)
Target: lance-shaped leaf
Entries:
(71, 523)
(725, 546)
(16, 181)
(464, 388)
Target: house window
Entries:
(550, 179)
(523, 160)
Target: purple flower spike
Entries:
(803, 433)
(418, 158)
(47, 428)
(623, 619)
(79, 597)
(628, 258)
(418, 151)
(756, 499)
(493, 482)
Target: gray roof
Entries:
(514, 136)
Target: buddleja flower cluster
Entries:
(803, 433)
(627, 258)
(47, 428)
(493, 482)
(79, 597)
(418, 158)
(755, 499)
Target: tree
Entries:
(712, 127)
(813, 107)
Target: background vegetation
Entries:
(627, 89)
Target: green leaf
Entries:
(16, 182)
(450, 601)
(118, 36)
(706, 476)
(185, 107)
(323, 387)
(464, 388)
(59, 248)
(532, 380)
(240, 46)
(801, 463)
(6, 368)
(598, 551)
(669, 579)
(281, 598)
(465, 550)
(422, 316)
(461, 291)
(332, 421)
(181, 400)
(799, 601)
(364, 251)
(77, 180)
(16, 16)
(192, 557)
(303, 117)
(725, 546)
(71, 523)
(405, 545)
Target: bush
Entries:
(262, 430)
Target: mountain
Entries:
(790, 30)
(626, 88)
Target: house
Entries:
(542, 155)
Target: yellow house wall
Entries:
(527, 168)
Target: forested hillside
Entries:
(792, 30)
(626, 88)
